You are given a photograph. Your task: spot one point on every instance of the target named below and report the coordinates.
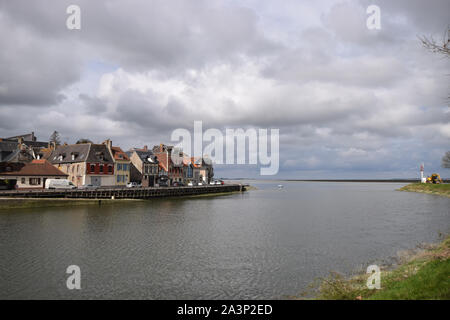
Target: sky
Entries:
(349, 102)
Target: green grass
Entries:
(439, 189)
(424, 276)
(432, 281)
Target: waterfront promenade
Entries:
(123, 193)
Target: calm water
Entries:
(267, 243)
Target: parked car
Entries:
(87, 186)
(201, 183)
(59, 184)
(178, 184)
(190, 184)
(212, 182)
(132, 185)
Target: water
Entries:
(264, 244)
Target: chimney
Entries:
(108, 144)
(145, 148)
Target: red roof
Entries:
(119, 154)
(196, 162)
(162, 159)
(35, 168)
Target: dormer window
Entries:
(74, 156)
(100, 156)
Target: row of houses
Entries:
(100, 164)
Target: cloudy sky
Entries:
(349, 102)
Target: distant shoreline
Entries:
(436, 189)
(339, 180)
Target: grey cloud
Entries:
(346, 99)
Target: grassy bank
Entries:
(438, 189)
(424, 275)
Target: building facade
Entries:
(145, 166)
(121, 164)
(202, 170)
(85, 163)
(30, 175)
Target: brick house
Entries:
(167, 167)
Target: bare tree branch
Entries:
(442, 48)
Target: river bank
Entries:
(25, 203)
(438, 189)
(423, 274)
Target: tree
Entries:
(82, 140)
(437, 47)
(55, 138)
(446, 160)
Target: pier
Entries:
(123, 193)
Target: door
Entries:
(96, 181)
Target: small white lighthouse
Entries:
(422, 178)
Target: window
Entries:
(119, 166)
(22, 181)
(92, 168)
(118, 178)
(101, 168)
(110, 169)
(35, 181)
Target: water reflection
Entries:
(268, 243)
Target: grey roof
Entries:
(6, 145)
(84, 152)
(99, 153)
(11, 156)
(147, 156)
(25, 137)
(38, 144)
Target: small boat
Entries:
(280, 186)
